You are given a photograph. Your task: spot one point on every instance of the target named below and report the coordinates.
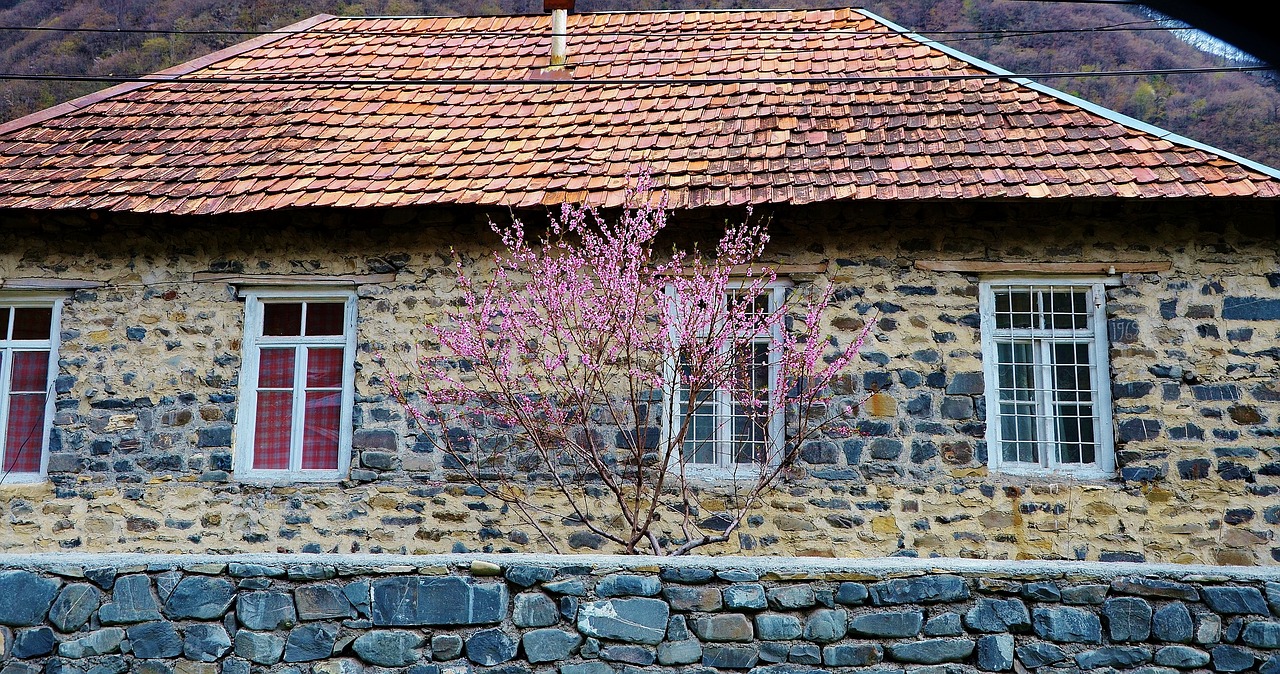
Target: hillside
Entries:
(1235, 111)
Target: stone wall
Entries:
(141, 454)
(335, 614)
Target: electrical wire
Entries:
(274, 79)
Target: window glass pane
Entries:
(324, 368)
(32, 322)
(325, 318)
(1068, 309)
(1015, 365)
(1073, 394)
(320, 430)
(282, 319)
(24, 440)
(4, 322)
(1015, 308)
(699, 439)
(275, 368)
(272, 424)
(30, 371)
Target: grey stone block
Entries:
(1236, 600)
(690, 575)
(684, 652)
(998, 615)
(851, 594)
(1172, 623)
(630, 654)
(154, 640)
(677, 628)
(322, 601)
(852, 655)
(1262, 634)
(1066, 625)
(628, 585)
(75, 603)
(1041, 591)
(693, 598)
(33, 643)
(1153, 587)
(587, 668)
(893, 625)
(571, 587)
(259, 648)
(932, 651)
(490, 647)
(637, 620)
(1128, 619)
(1038, 654)
(549, 645)
(528, 576)
(199, 597)
(775, 627)
(534, 609)
(266, 610)
(447, 600)
(1181, 657)
(391, 648)
(205, 642)
(805, 654)
(25, 598)
(826, 625)
(1230, 659)
(310, 642)
(1084, 594)
(922, 590)
(995, 653)
(944, 625)
(730, 657)
(446, 646)
(100, 642)
(726, 627)
(1122, 657)
(792, 597)
(745, 597)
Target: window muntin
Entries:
(1048, 401)
(28, 354)
(297, 385)
(725, 433)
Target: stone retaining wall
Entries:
(294, 614)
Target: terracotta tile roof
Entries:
(276, 122)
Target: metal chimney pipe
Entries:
(559, 36)
(559, 29)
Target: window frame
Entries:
(28, 300)
(1103, 466)
(725, 468)
(246, 411)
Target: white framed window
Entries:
(724, 436)
(296, 385)
(29, 328)
(1048, 392)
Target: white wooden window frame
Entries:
(725, 468)
(1103, 465)
(7, 347)
(246, 415)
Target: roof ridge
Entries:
(1088, 106)
(168, 74)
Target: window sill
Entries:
(279, 477)
(23, 479)
(1074, 474)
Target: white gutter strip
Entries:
(1136, 124)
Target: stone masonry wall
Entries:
(339, 614)
(141, 454)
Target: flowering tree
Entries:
(590, 363)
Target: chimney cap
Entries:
(549, 5)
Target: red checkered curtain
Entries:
(274, 417)
(24, 436)
(324, 404)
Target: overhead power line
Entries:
(297, 79)
(1118, 27)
